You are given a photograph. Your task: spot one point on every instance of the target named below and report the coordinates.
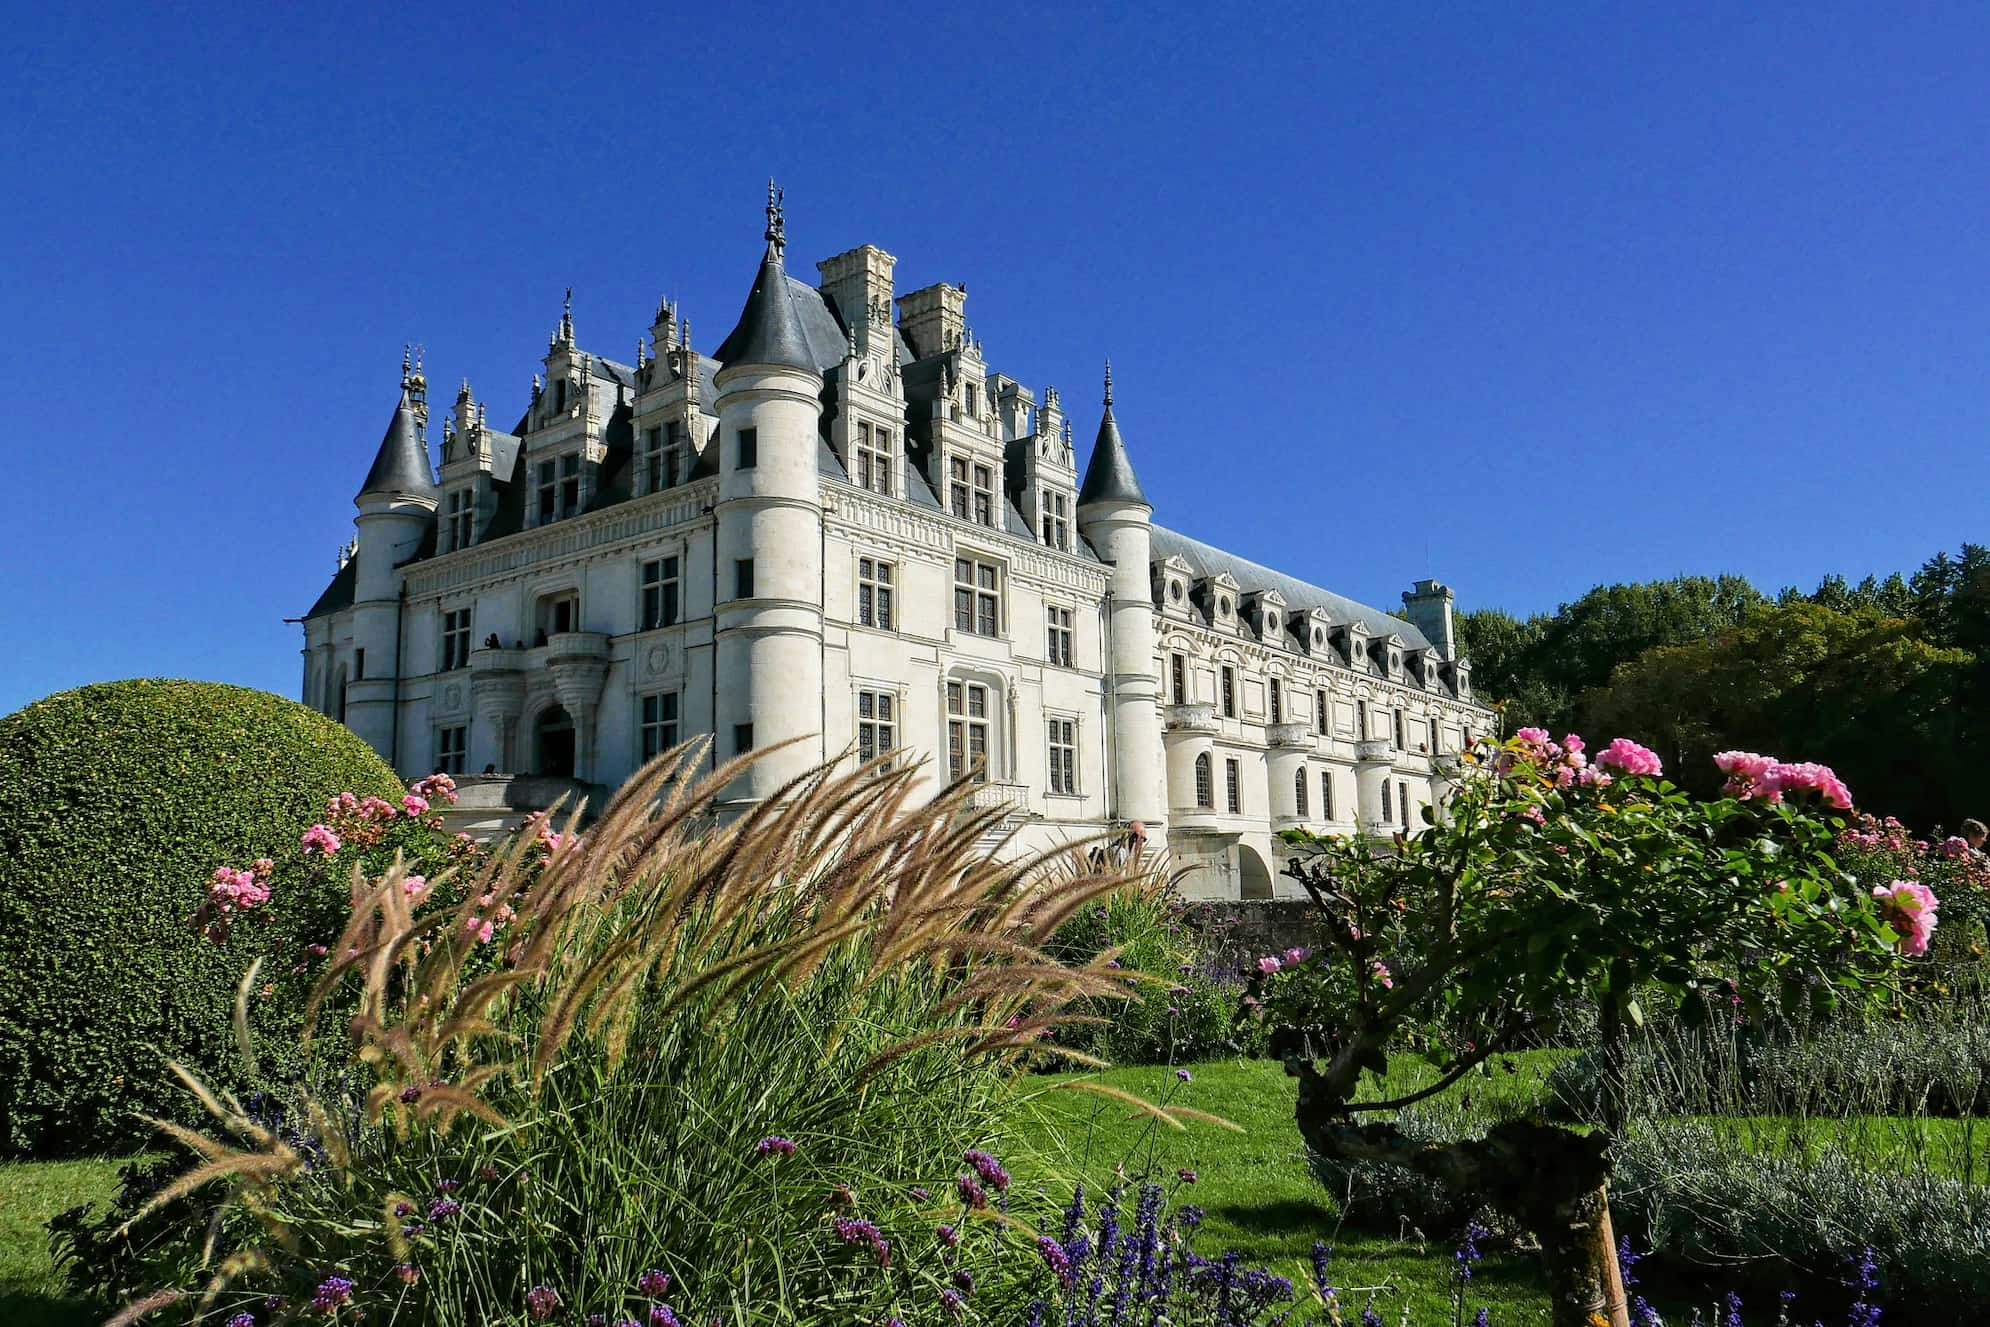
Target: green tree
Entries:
(1545, 887)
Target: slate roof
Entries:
(775, 325)
(339, 593)
(1207, 560)
(1109, 476)
(402, 463)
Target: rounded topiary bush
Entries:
(117, 803)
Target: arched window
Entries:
(1299, 790)
(1205, 782)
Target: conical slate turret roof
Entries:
(1109, 476)
(770, 326)
(401, 466)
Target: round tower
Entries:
(396, 505)
(1116, 519)
(769, 532)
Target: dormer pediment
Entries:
(1265, 611)
(1217, 597)
(1313, 629)
(1388, 654)
(1430, 667)
(1171, 578)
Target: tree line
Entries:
(1882, 680)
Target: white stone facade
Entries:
(851, 531)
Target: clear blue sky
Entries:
(1527, 300)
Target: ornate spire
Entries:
(1108, 384)
(1109, 475)
(566, 337)
(777, 231)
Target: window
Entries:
(1403, 801)
(1320, 712)
(742, 578)
(1361, 720)
(1386, 815)
(984, 495)
(1434, 747)
(1056, 520)
(1299, 791)
(659, 726)
(1060, 637)
(1063, 756)
(967, 731)
(971, 411)
(957, 487)
(1233, 786)
(872, 468)
(747, 449)
(660, 594)
(569, 484)
(359, 664)
(1178, 679)
(558, 613)
(548, 489)
(1277, 702)
(660, 457)
(1229, 692)
(457, 529)
(452, 749)
(1205, 792)
(456, 639)
(977, 597)
(742, 738)
(874, 606)
(1326, 794)
(877, 723)
(652, 462)
(560, 397)
(1402, 731)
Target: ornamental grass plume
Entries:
(675, 1000)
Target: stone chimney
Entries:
(934, 320)
(1427, 605)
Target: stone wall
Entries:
(1236, 933)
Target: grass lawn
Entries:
(1956, 1147)
(31, 1192)
(1260, 1198)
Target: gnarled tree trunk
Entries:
(1554, 1180)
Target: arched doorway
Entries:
(553, 743)
(1253, 876)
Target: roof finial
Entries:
(407, 363)
(567, 318)
(777, 232)
(1109, 383)
(642, 351)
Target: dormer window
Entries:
(659, 463)
(1223, 605)
(1175, 591)
(458, 518)
(1270, 623)
(984, 494)
(973, 409)
(871, 466)
(1056, 521)
(558, 488)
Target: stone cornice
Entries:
(921, 531)
(573, 539)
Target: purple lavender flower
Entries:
(1732, 1316)
(1865, 1280)
(1468, 1252)
(653, 1284)
(443, 1208)
(851, 1230)
(949, 1236)
(333, 1291)
(242, 1320)
(1483, 1318)
(542, 1302)
(921, 1192)
(1185, 1075)
(774, 1145)
(661, 1315)
(1370, 1318)
(1055, 1258)
(964, 1279)
(971, 1193)
(950, 1300)
(448, 1186)
(988, 1168)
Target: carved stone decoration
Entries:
(657, 660)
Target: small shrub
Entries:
(117, 804)
(744, 1070)
(1179, 1008)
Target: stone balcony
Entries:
(1010, 797)
(1191, 718)
(1291, 735)
(576, 645)
(487, 660)
(1374, 752)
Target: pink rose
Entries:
(1628, 757)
